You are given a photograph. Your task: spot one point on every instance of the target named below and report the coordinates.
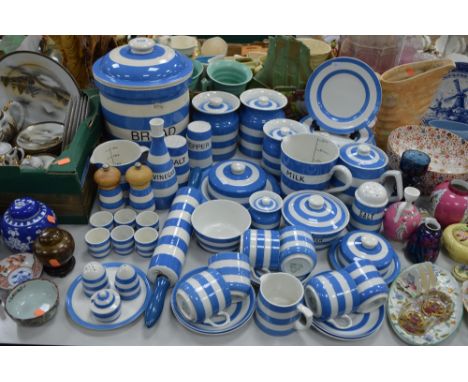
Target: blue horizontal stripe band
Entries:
(200, 155)
(174, 241)
(234, 271)
(301, 186)
(274, 166)
(276, 308)
(110, 193)
(224, 247)
(277, 321)
(141, 192)
(183, 207)
(126, 281)
(164, 203)
(272, 332)
(250, 138)
(96, 287)
(226, 156)
(224, 144)
(129, 290)
(99, 280)
(130, 297)
(250, 153)
(105, 315)
(142, 123)
(166, 261)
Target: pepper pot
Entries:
(109, 189)
(54, 248)
(141, 193)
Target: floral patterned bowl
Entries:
(18, 268)
(448, 152)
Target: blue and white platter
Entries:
(451, 100)
(363, 326)
(343, 95)
(240, 313)
(393, 269)
(78, 304)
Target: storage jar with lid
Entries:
(259, 107)
(24, 219)
(141, 81)
(219, 109)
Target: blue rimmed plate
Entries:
(363, 326)
(343, 95)
(240, 313)
(78, 304)
(391, 275)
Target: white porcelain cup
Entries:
(125, 216)
(102, 219)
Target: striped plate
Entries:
(240, 313)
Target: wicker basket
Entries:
(407, 93)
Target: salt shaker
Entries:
(368, 208)
(109, 189)
(141, 193)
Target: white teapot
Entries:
(11, 120)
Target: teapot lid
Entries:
(235, 178)
(363, 155)
(142, 64)
(216, 102)
(263, 99)
(319, 211)
(367, 245)
(280, 128)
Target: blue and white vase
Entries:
(199, 145)
(164, 176)
(274, 132)
(141, 81)
(366, 163)
(23, 221)
(178, 151)
(235, 180)
(219, 109)
(174, 239)
(259, 107)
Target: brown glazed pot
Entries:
(54, 248)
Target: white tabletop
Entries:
(61, 330)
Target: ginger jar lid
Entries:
(365, 156)
(26, 211)
(319, 211)
(367, 245)
(216, 102)
(235, 178)
(142, 64)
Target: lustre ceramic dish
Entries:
(448, 152)
(398, 297)
(16, 269)
(393, 269)
(363, 325)
(79, 308)
(239, 313)
(343, 95)
(33, 302)
(450, 102)
(41, 137)
(38, 82)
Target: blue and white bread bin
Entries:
(133, 78)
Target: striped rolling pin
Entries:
(173, 244)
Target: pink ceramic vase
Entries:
(449, 202)
(402, 218)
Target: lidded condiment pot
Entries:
(54, 248)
